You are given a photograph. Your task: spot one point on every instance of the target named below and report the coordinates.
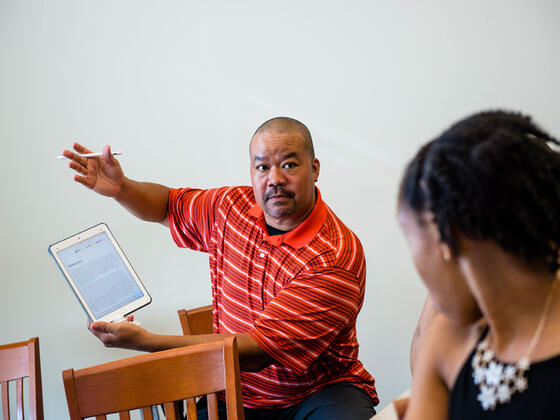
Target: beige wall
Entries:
(180, 86)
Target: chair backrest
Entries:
(18, 361)
(196, 321)
(158, 378)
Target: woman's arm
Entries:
(427, 316)
(444, 350)
(430, 393)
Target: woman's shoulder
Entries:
(442, 351)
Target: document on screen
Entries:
(100, 274)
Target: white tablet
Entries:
(99, 274)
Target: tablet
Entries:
(99, 274)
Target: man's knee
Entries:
(337, 401)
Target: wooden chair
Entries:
(196, 321)
(18, 361)
(158, 378)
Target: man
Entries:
(288, 277)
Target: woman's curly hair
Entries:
(491, 176)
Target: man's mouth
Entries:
(278, 195)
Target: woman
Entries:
(480, 208)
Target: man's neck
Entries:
(272, 231)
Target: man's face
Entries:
(283, 176)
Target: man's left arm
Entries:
(127, 335)
(296, 327)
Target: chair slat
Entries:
(19, 398)
(171, 411)
(6, 400)
(147, 413)
(101, 417)
(124, 415)
(212, 404)
(191, 409)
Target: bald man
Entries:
(287, 276)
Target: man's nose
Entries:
(276, 177)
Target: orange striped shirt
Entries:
(297, 294)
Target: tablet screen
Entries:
(100, 275)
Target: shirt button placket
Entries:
(263, 254)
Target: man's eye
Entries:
(262, 168)
(290, 165)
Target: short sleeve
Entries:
(191, 214)
(307, 315)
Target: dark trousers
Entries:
(335, 402)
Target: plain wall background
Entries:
(180, 86)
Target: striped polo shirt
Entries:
(297, 294)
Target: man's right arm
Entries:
(104, 175)
(145, 200)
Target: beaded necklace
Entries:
(498, 381)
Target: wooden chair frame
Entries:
(158, 378)
(18, 361)
(196, 321)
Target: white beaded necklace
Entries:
(498, 381)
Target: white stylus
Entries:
(88, 155)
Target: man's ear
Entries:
(316, 165)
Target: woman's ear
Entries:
(429, 220)
(445, 251)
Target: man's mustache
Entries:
(278, 192)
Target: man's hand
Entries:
(125, 335)
(101, 174)
(104, 175)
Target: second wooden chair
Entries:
(18, 361)
(158, 378)
(196, 321)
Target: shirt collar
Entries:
(301, 235)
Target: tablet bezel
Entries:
(82, 236)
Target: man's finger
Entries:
(107, 153)
(78, 167)
(82, 180)
(103, 327)
(73, 156)
(80, 149)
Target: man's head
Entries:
(283, 171)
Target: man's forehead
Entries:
(277, 143)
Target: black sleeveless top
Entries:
(538, 402)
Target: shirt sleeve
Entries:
(307, 315)
(191, 214)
